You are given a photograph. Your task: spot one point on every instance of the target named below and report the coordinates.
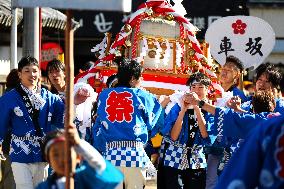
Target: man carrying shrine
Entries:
(229, 76)
(267, 78)
(182, 158)
(125, 115)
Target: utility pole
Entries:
(31, 32)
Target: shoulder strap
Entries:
(32, 112)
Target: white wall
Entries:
(275, 17)
(275, 58)
(5, 59)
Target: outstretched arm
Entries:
(88, 152)
(235, 104)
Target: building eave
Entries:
(51, 18)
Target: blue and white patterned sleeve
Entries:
(279, 106)
(234, 124)
(259, 162)
(171, 119)
(99, 140)
(59, 108)
(244, 167)
(247, 106)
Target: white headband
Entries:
(110, 84)
(52, 141)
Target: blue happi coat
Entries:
(260, 160)
(223, 141)
(229, 123)
(94, 172)
(236, 126)
(247, 106)
(125, 116)
(237, 92)
(25, 147)
(177, 154)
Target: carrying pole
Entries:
(69, 102)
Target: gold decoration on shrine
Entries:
(127, 43)
(187, 41)
(169, 17)
(151, 44)
(191, 52)
(164, 46)
(127, 28)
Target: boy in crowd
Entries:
(267, 78)
(229, 76)
(94, 172)
(182, 155)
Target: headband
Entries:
(110, 84)
(195, 82)
(202, 81)
(52, 141)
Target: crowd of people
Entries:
(238, 144)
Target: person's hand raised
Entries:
(72, 135)
(193, 98)
(81, 96)
(234, 103)
(185, 104)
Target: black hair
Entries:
(126, 70)
(272, 73)
(237, 62)
(94, 112)
(26, 61)
(262, 102)
(12, 79)
(49, 136)
(198, 77)
(55, 64)
(87, 65)
(110, 79)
